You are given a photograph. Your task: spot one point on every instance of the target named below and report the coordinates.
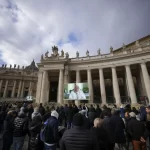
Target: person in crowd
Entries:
(20, 129)
(30, 111)
(86, 120)
(118, 126)
(101, 134)
(142, 113)
(2, 117)
(66, 111)
(61, 116)
(97, 111)
(51, 134)
(106, 115)
(35, 113)
(78, 138)
(47, 114)
(91, 114)
(75, 109)
(136, 130)
(8, 130)
(34, 140)
(41, 110)
(69, 115)
(128, 138)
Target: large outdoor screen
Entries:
(76, 91)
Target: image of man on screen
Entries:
(77, 93)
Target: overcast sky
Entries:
(28, 28)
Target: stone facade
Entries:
(17, 83)
(121, 76)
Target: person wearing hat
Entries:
(51, 136)
(78, 138)
(136, 130)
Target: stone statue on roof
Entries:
(42, 57)
(14, 66)
(18, 67)
(111, 49)
(123, 46)
(67, 55)
(62, 53)
(87, 53)
(2, 65)
(77, 54)
(99, 51)
(46, 54)
(137, 43)
(5, 66)
(55, 51)
(10, 66)
(22, 67)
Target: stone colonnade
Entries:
(43, 82)
(19, 90)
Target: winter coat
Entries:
(34, 128)
(42, 110)
(98, 112)
(143, 113)
(118, 126)
(51, 134)
(110, 130)
(78, 138)
(70, 114)
(135, 129)
(20, 125)
(102, 137)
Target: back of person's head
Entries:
(84, 108)
(36, 109)
(54, 114)
(98, 122)
(115, 112)
(40, 104)
(78, 120)
(107, 113)
(52, 108)
(132, 115)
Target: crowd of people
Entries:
(70, 127)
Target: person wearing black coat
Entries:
(78, 138)
(41, 110)
(118, 126)
(101, 134)
(91, 114)
(8, 130)
(98, 111)
(69, 115)
(34, 128)
(136, 130)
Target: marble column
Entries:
(66, 76)
(116, 86)
(60, 87)
(5, 90)
(22, 90)
(39, 86)
(146, 79)
(30, 89)
(131, 85)
(14, 89)
(78, 80)
(1, 85)
(90, 84)
(19, 89)
(102, 86)
(44, 89)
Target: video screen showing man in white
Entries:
(77, 93)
